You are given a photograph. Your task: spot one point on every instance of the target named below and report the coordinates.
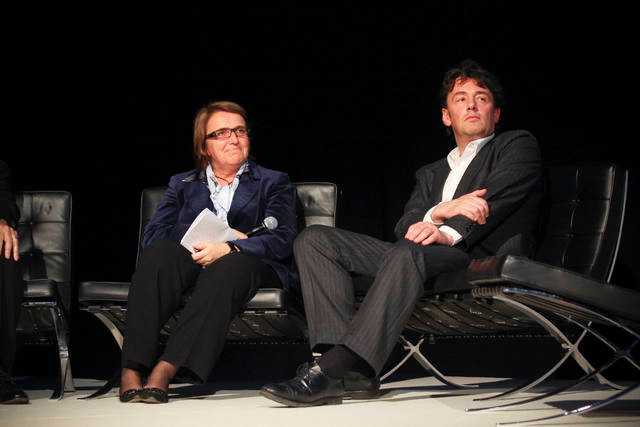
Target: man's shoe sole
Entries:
(361, 394)
(16, 401)
(324, 401)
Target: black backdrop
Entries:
(102, 100)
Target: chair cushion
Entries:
(272, 299)
(40, 290)
(96, 293)
(521, 271)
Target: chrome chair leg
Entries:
(114, 381)
(115, 332)
(577, 411)
(560, 337)
(569, 349)
(65, 383)
(553, 392)
(414, 350)
(620, 353)
(411, 349)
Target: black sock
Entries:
(337, 361)
(364, 368)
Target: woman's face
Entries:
(227, 153)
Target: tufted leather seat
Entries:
(44, 233)
(581, 228)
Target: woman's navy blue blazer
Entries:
(262, 192)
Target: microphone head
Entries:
(270, 223)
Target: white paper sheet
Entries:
(207, 227)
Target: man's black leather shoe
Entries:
(359, 386)
(10, 393)
(310, 387)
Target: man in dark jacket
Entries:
(11, 289)
(481, 200)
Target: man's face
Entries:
(471, 111)
(230, 152)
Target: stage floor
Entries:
(412, 402)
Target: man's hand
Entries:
(426, 233)
(9, 241)
(471, 205)
(206, 253)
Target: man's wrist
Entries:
(451, 234)
(428, 217)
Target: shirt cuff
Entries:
(453, 233)
(427, 217)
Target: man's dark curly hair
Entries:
(469, 69)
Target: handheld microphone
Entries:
(269, 223)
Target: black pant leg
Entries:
(11, 294)
(221, 290)
(165, 271)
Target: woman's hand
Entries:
(241, 235)
(206, 253)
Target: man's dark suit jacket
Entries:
(509, 167)
(262, 192)
(8, 209)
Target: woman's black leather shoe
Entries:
(310, 387)
(154, 395)
(131, 396)
(359, 386)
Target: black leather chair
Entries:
(44, 233)
(272, 315)
(566, 285)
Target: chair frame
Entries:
(42, 307)
(475, 294)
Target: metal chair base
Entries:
(509, 296)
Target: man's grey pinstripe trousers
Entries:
(326, 258)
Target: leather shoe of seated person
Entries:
(310, 387)
(10, 392)
(154, 395)
(359, 386)
(356, 385)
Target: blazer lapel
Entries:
(197, 193)
(466, 183)
(439, 178)
(246, 191)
